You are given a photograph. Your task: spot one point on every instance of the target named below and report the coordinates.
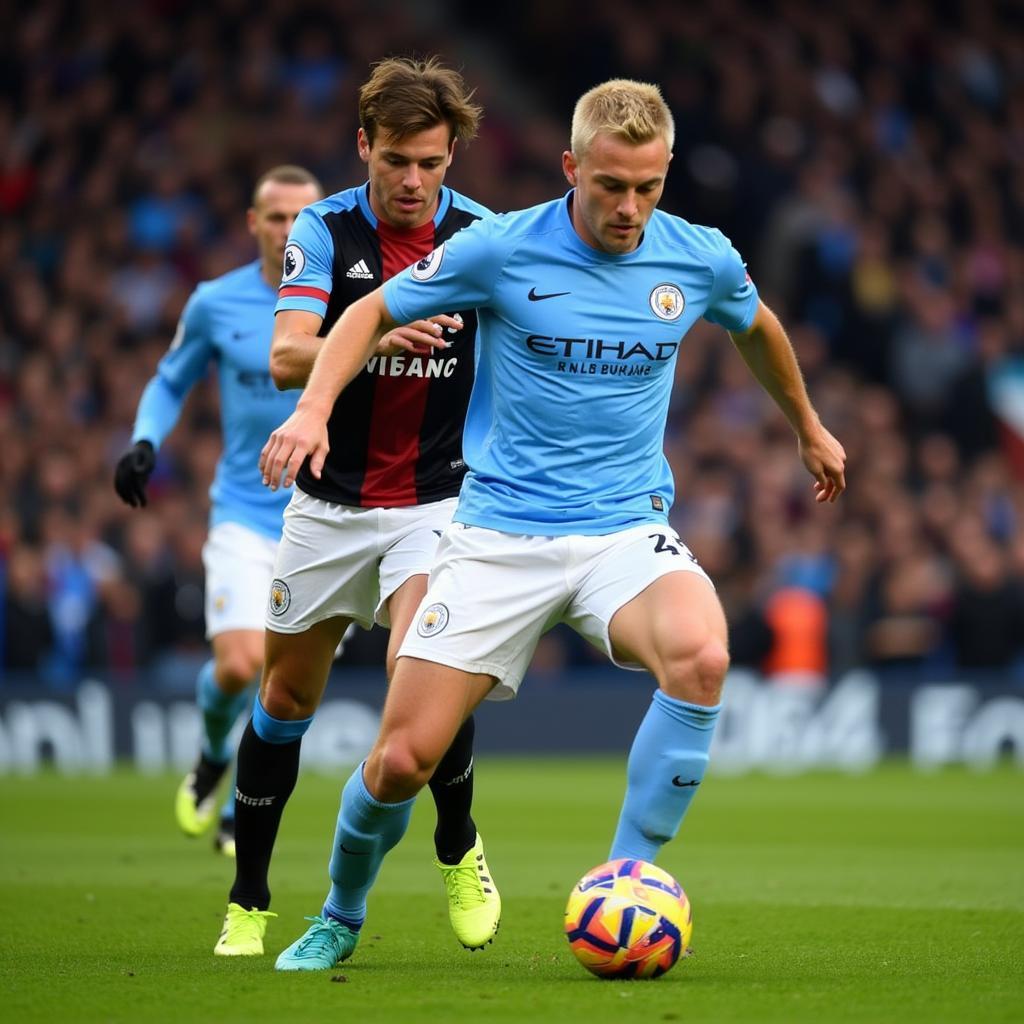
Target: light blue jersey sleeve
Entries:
(460, 273)
(184, 365)
(308, 265)
(577, 355)
(733, 302)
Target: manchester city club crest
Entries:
(280, 597)
(429, 265)
(667, 302)
(432, 621)
(294, 262)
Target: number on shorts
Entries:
(663, 544)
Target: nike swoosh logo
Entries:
(355, 853)
(684, 785)
(534, 297)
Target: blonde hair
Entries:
(634, 111)
(404, 95)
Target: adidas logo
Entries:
(360, 270)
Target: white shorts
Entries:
(336, 560)
(493, 595)
(239, 565)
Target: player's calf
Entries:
(666, 766)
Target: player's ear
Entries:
(250, 219)
(570, 167)
(363, 146)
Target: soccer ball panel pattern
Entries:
(628, 919)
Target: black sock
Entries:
(452, 790)
(266, 778)
(208, 775)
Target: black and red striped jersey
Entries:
(396, 431)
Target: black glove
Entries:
(132, 473)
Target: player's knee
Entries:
(236, 669)
(401, 766)
(286, 701)
(712, 663)
(715, 656)
(697, 675)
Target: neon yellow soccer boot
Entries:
(243, 931)
(195, 803)
(474, 905)
(224, 837)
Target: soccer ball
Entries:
(628, 919)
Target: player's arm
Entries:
(162, 400)
(296, 343)
(766, 349)
(352, 340)
(294, 347)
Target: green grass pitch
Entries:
(889, 896)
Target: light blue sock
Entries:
(220, 712)
(366, 830)
(666, 765)
(277, 730)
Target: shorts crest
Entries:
(280, 597)
(433, 620)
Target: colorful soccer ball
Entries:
(628, 919)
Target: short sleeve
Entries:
(458, 274)
(734, 299)
(308, 266)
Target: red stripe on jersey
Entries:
(304, 291)
(399, 403)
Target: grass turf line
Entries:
(877, 897)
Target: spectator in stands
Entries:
(870, 164)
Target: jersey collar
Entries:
(577, 243)
(444, 203)
(257, 266)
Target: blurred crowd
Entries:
(867, 160)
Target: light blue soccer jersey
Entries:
(577, 354)
(228, 321)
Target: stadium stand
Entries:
(867, 159)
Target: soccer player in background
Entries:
(361, 534)
(583, 304)
(228, 322)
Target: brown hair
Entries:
(403, 96)
(285, 174)
(634, 111)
